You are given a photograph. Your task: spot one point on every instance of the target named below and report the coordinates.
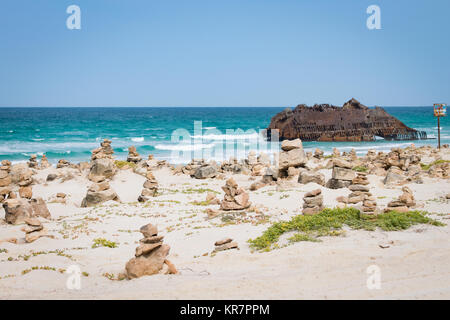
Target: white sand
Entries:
(416, 265)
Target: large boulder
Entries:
(340, 173)
(205, 172)
(394, 176)
(97, 197)
(103, 167)
(17, 210)
(307, 177)
(288, 145)
(292, 158)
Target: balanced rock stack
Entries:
(150, 187)
(33, 163)
(102, 162)
(235, 198)
(5, 178)
(99, 192)
(150, 255)
(133, 155)
(44, 162)
(313, 202)
(342, 174)
(62, 164)
(360, 193)
(104, 151)
(34, 230)
(404, 202)
(291, 156)
(225, 244)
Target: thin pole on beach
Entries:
(440, 110)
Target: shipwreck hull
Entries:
(352, 122)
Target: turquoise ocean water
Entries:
(71, 133)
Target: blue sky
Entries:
(223, 53)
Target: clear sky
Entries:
(223, 53)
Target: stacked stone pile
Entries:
(17, 210)
(98, 193)
(225, 244)
(150, 255)
(235, 198)
(404, 202)
(44, 162)
(150, 187)
(33, 163)
(342, 174)
(291, 157)
(133, 155)
(103, 166)
(313, 202)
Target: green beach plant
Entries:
(329, 222)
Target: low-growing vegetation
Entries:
(329, 222)
(121, 164)
(428, 166)
(101, 242)
(360, 169)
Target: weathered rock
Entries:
(288, 145)
(223, 241)
(147, 264)
(358, 187)
(25, 192)
(342, 163)
(307, 177)
(39, 208)
(149, 230)
(17, 210)
(51, 177)
(152, 239)
(103, 167)
(147, 248)
(339, 173)
(393, 176)
(205, 172)
(337, 184)
(226, 246)
(352, 122)
(292, 158)
(97, 197)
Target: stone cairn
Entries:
(33, 163)
(99, 192)
(235, 198)
(44, 162)
(34, 230)
(133, 155)
(342, 174)
(150, 256)
(404, 202)
(291, 157)
(18, 210)
(103, 166)
(62, 164)
(360, 193)
(225, 244)
(150, 187)
(104, 151)
(5, 180)
(313, 202)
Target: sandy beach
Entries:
(413, 263)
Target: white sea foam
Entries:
(137, 139)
